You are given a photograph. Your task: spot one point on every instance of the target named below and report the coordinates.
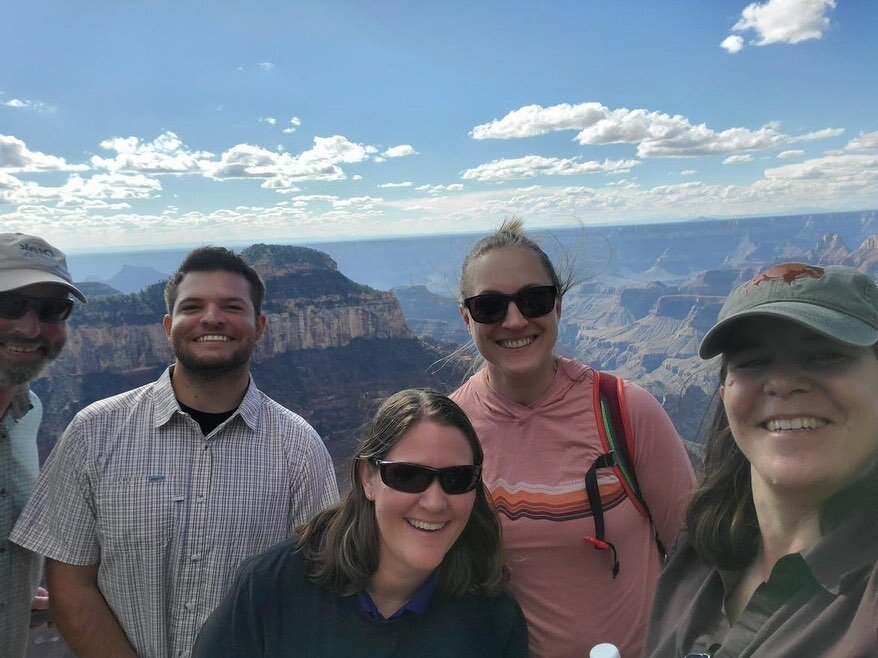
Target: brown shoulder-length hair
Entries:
(721, 520)
(340, 545)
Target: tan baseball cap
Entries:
(26, 260)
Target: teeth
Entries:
(425, 525)
(516, 344)
(794, 424)
(22, 348)
(213, 338)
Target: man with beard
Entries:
(34, 304)
(152, 498)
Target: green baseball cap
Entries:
(836, 301)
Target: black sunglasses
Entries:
(14, 306)
(414, 478)
(491, 307)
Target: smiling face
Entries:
(801, 407)
(26, 344)
(518, 350)
(416, 530)
(213, 327)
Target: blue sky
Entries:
(127, 124)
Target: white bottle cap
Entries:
(604, 650)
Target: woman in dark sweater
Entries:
(407, 564)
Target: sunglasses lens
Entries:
(532, 303)
(13, 306)
(54, 310)
(536, 302)
(459, 479)
(414, 478)
(47, 310)
(408, 478)
(487, 309)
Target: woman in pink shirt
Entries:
(534, 414)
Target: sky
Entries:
(135, 123)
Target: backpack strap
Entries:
(617, 441)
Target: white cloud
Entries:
(362, 201)
(841, 170)
(407, 183)
(793, 153)
(655, 133)
(688, 172)
(863, 142)
(732, 43)
(166, 154)
(269, 120)
(438, 189)
(738, 159)
(399, 151)
(320, 162)
(16, 157)
(265, 66)
(532, 120)
(295, 122)
(78, 191)
(25, 104)
(817, 134)
(536, 165)
(780, 21)
(110, 186)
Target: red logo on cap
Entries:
(789, 272)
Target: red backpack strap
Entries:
(611, 415)
(617, 441)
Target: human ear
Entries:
(367, 476)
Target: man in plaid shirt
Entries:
(152, 498)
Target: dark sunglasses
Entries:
(491, 307)
(414, 478)
(14, 306)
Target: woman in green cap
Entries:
(780, 551)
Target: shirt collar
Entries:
(166, 404)
(417, 605)
(20, 403)
(839, 554)
(844, 550)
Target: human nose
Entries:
(434, 498)
(786, 377)
(212, 314)
(28, 325)
(514, 318)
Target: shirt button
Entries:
(195, 557)
(3, 492)
(200, 499)
(3, 547)
(189, 605)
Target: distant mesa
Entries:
(96, 289)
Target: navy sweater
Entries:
(273, 610)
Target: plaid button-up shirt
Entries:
(169, 514)
(19, 568)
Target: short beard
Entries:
(20, 374)
(208, 372)
(16, 374)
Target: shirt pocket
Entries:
(135, 515)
